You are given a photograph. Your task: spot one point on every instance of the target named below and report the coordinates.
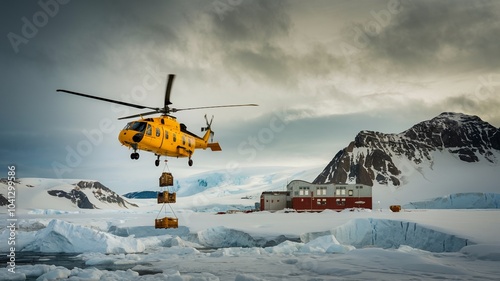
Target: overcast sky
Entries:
(320, 71)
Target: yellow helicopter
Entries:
(164, 135)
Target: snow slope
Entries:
(474, 200)
(444, 176)
(67, 195)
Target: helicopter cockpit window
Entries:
(149, 130)
(136, 126)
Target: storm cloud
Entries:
(326, 69)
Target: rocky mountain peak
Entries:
(371, 156)
(78, 196)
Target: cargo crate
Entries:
(166, 197)
(166, 179)
(167, 222)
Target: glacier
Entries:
(472, 200)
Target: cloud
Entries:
(439, 35)
(266, 63)
(250, 21)
(471, 104)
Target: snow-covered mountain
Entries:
(375, 156)
(450, 153)
(37, 193)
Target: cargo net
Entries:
(165, 197)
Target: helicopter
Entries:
(163, 135)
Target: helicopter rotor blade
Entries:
(108, 100)
(215, 106)
(168, 89)
(138, 115)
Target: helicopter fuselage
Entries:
(164, 136)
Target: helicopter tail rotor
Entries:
(209, 123)
(209, 127)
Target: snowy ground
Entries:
(58, 241)
(351, 245)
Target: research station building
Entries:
(304, 196)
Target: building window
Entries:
(303, 190)
(321, 190)
(340, 202)
(340, 191)
(321, 202)
(351, 192)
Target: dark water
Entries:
(69, 261)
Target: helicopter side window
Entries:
(166, 135)
(149, 130)
(137, 126)
(175, 137)
(158, 132)
(183, 140)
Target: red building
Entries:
(305, 196)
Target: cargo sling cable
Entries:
(166, 197)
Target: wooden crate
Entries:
(166, 197)
(167, 222)
(166, 179)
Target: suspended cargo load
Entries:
(395, 208)
(166, 179)
(166, 197)
(167, 222)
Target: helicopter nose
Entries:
(138, 137)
